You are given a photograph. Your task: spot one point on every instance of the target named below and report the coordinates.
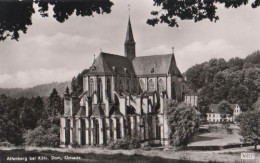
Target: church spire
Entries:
(129, 42)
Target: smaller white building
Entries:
(213, 114)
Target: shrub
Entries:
(183, 121)
(43, 137)
(6, 144)
(9, 132)
(212, 128)
(126, 143)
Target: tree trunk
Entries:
(255, 147)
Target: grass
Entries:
(217, 138)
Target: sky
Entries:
(55, 52)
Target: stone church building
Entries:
(123, 96)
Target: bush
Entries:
(9, 132)
(213, 129)
(6, 144)
(126, 143)
(43, 137)
(183, 121)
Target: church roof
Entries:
(81, 112)
(129, 34)
(156, 64)
(97, 111)
(107, 64)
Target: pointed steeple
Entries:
(129, 42)
(129, 34)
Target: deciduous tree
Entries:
(183, 121)
(249, 123)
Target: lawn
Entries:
(217, 138)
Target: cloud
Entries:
(199, 51)
(23, 79)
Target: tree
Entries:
(16, 15)
(196, 10)
(43, 137)
(249, 124)
(38, 106)
(225, 110)
(10, 133)
(54, 103)
(183, 121)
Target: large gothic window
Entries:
(91, 87)
(120, 86)
(151, 85)
(127, 85)
(161, 86)
(100, 90)
(109, 89)
(83, 130)
(173, 91)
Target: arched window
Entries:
(96, 132)
(141, 82)
(173, 91)
(151, 85)
(100, 90)
(109, 89)
(112, 129)
(161, 86)
(91, 87)
(127, 85)
(120, 86)
(83, 130)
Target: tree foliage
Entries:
(183, 121)
(55, 103)
(10, 133)
(16, 15)
(34, 121)
(249, 124)
(237, 81)
(195, 10)
(42, 137)
(225, 110)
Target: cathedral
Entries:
(123, 96)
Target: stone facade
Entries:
(123, 96)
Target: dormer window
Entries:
(152, 70)
(93, 68)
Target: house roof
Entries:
(213, 108)
(156, 64)
(81, 112)
(111, 64)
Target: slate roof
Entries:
(97, 111)
(156, 64)
(108, 64)
(81, 112)
(129, 34)
(213, 108)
